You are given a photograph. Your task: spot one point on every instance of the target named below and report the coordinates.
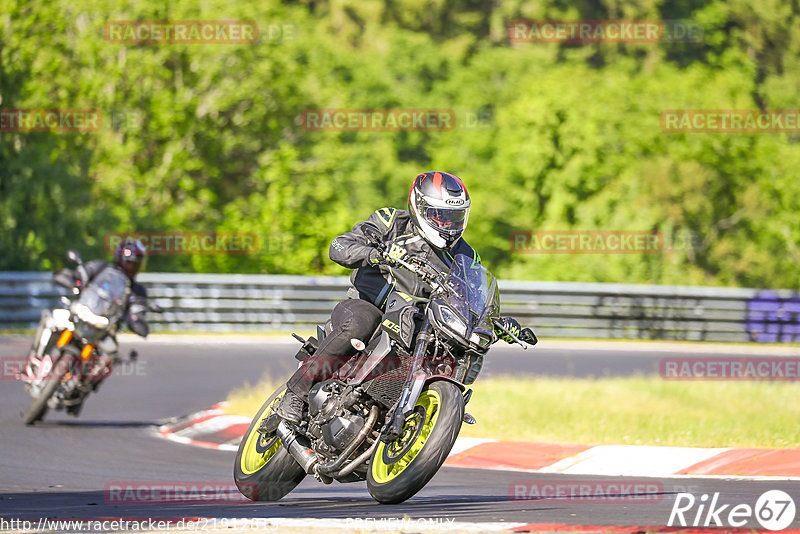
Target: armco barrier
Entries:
(238, 302)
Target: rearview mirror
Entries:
(528, 336)
(372, 233)
(74, 256)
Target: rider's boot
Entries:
(289, 408)
(75, 409)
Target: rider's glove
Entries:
(511, 325)
(394, 252)
(136, 318)
(376, 257)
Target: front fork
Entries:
(41, 340)
(31, 370)
(51, 325)
(412, 387)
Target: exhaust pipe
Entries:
(332, 467)
(352, 466)
(306, 457)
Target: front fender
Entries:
(434, 378)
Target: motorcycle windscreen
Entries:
(106, 295)
(475, 297)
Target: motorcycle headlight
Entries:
(453, 321)
(88, 316)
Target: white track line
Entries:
(631, 460)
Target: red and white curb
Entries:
(409, 524)
(633, 460)
(214, 428)
(346, 525)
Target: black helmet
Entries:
(130, 255)
(439, 206)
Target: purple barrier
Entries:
(773, 319)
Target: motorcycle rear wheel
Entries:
(264, 470)
(398, 470)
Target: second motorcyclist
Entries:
(129, 258)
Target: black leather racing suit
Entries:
(359, 315)
(137, 305)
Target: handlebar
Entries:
(435, 277)
(499, 325)
(526, 336)
(427, 271)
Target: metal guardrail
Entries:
(239, 302)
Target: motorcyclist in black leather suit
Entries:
(431, 228)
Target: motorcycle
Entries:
(75, 348)
(392, 413)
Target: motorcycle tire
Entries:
(399, 469)
(37, 409)
(264, 470)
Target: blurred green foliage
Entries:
(200, 137)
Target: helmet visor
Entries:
(132, 266)
(448, 220)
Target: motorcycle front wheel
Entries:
(37, 409)
(399, 469)
(264, 470)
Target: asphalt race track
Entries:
(60, 469)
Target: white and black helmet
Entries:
(439, 206)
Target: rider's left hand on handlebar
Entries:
(376, 257)
(380, 257)
(389, 255)
(396, 252)
(511, 325)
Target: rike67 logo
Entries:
(774, 510)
